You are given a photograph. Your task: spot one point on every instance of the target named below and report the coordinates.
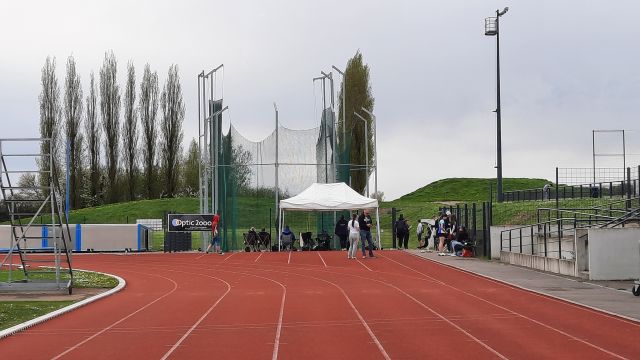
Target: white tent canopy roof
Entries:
(328, 197)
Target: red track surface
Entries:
(316, 305)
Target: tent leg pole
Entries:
(378, 228)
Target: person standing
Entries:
(442, 233)
(342, 232)
(402, 230)
(354, 236)
(364, 221)
(215, 237)
(419, 230)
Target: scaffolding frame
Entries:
(19, 200)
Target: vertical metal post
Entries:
(276, 190)
(215, 141)
(67, 186)
(520, 240)
(206, 149)
(531, 240)
(624, 151)
(498, 112)
(484, 227)
(557, 184)
(201, 202)
(473, 221)
(545, 240)
(593, 151)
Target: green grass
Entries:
(81, 279)
(466, 189)
(16, 312)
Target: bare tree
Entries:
(148, 110)
(92, 131)
(73, 119)
(130, 131)
(110, 111)
(50, 113)
(172, 118)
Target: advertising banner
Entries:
(189, 222)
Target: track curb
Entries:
(40, 319)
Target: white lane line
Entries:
(201, 256)
(228, 257)
(515, 312)
(276, 345)
(175, 287)
(361, 263)
(289, 261)
(282, 302)
(325, 264)
(256, 260)
(175, 346)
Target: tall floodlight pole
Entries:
(375, 149)
(366, 151)
(275, 107)
(491, 28)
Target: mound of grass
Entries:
(466, 189)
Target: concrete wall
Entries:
(553, 265)
(614, 254)
(582, 250)
(100, 237)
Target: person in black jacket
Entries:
(342, 231)
(365, 223)
(402, 232)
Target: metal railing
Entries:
(548, 237)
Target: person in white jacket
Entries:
(354, 236)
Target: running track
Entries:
(317, 305)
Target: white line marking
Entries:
(201, 256)
(361, 263)
(325, 264)
(256, 260)
(175, 346)
(228, 257)
(289, 261)
(276, 345)
(515, 312)
(175, 286)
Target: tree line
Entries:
(123, 142)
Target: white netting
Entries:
(297, 159)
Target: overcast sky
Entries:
(567, 67)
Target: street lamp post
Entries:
(491, 28)
(366, 151)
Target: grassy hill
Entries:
(466, 189)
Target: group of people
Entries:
(448, 237)
(451, 238)
(351, 233)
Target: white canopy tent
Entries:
(328, 197)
